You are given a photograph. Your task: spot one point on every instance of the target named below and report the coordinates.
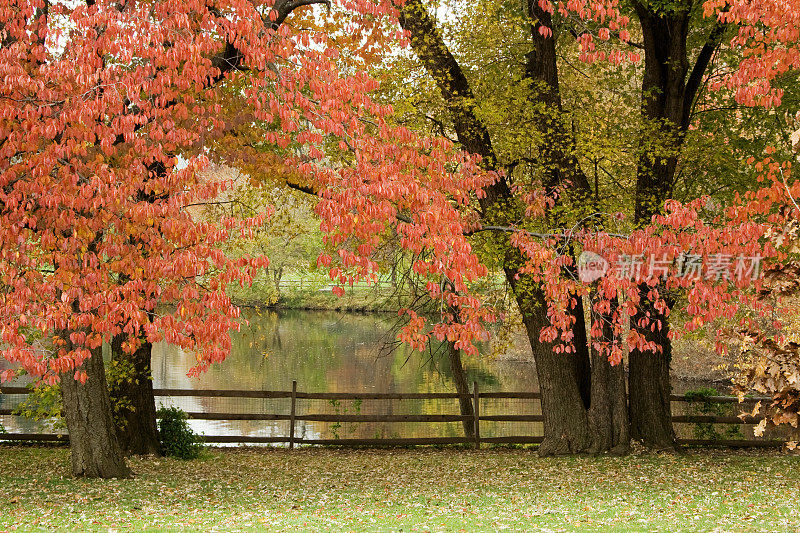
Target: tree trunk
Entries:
(669, 88)
(560, 170)
(565, 424)
(608, 414)
(648, 377)
(565, 421)
(583, 366)
(462, 388)
(132, 393)
(95, 451)
(276, 277)
(566, 428)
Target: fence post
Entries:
(292, 413)
(476, 412)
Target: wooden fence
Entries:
(476, 396)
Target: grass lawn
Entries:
(406, 490)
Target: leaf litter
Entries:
(424, 489)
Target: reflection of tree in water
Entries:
(327, 352)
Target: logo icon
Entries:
(591, 267)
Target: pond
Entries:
(334, 352)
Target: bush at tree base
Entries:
(177, 438)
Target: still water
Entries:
(329, 352)
(332, 352)
(325, 352)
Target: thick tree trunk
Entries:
(566, 429)
(95, 451)
(565, 420)
(462, 388)
(648, 377)
(669, 88)
(557, 163)
(649, 401)
(608, 414)
(133, 394)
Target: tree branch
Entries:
(695, 78)
(307, 189)
(283, 8)
(472, 134)
(510, 229)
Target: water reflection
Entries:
(332, 352)
(337, 352)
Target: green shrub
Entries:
(43, 403)
(177, 438)
(699, 403)
(338, 408)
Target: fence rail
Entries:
(476, 418)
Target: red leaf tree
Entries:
(101, 102)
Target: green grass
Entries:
(408, 490)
